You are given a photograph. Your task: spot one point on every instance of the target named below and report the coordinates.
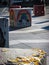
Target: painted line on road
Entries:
(12, 42)
(26, 31)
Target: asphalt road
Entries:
(29, 36)
(32, 39)
(37, 39)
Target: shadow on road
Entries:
(46, 28)
(16, 28)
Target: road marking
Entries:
(26, 31)
(12, 42)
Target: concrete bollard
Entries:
(4, 39)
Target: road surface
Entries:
(36, 36)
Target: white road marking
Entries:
(26, 31)
(12, 42)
